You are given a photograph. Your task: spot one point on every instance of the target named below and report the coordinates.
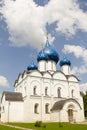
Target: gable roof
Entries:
(12, 96)
(59, 104)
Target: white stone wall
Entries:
(44, 66)
(50, 66)
(62, 115)
(12, 112)
(29, 115)
(65, 69)
(4, 110)
(58, 80)
(16, 112)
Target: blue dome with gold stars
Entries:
(48, 53)
(32, 66)
(65, 61)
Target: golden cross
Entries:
(42, 45)
(32, 56)
(47, 35)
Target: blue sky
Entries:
(23, 28)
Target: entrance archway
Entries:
(70, 115)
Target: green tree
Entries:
(85, 103)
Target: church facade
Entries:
(43, 93)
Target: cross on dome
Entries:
(48, 53)
(65, 61)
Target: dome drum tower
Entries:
(47, 58)
(46, 66)
(65, 65)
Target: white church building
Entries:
(43, 93)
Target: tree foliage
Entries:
(85, 104)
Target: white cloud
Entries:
(83, 87)
(26, 22)
(79, 52)
(3, 82)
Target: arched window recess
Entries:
(34, 90)
(47, 108)
(36, 108)
(72, 93)
(59, 92)
(46, 91)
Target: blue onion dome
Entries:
(48, 53)
(32, 66)
(65, 61)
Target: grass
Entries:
(6, 128)
(52, 126)
(25, 125)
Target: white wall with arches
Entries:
(35, 87)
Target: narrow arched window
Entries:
(72, 93)
(25, 90)
(46, 91)
(3, 108)
(47, 108)
(59, 92)
(34, 90)
(36, 108)
(44, 65)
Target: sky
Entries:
(23, 28)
